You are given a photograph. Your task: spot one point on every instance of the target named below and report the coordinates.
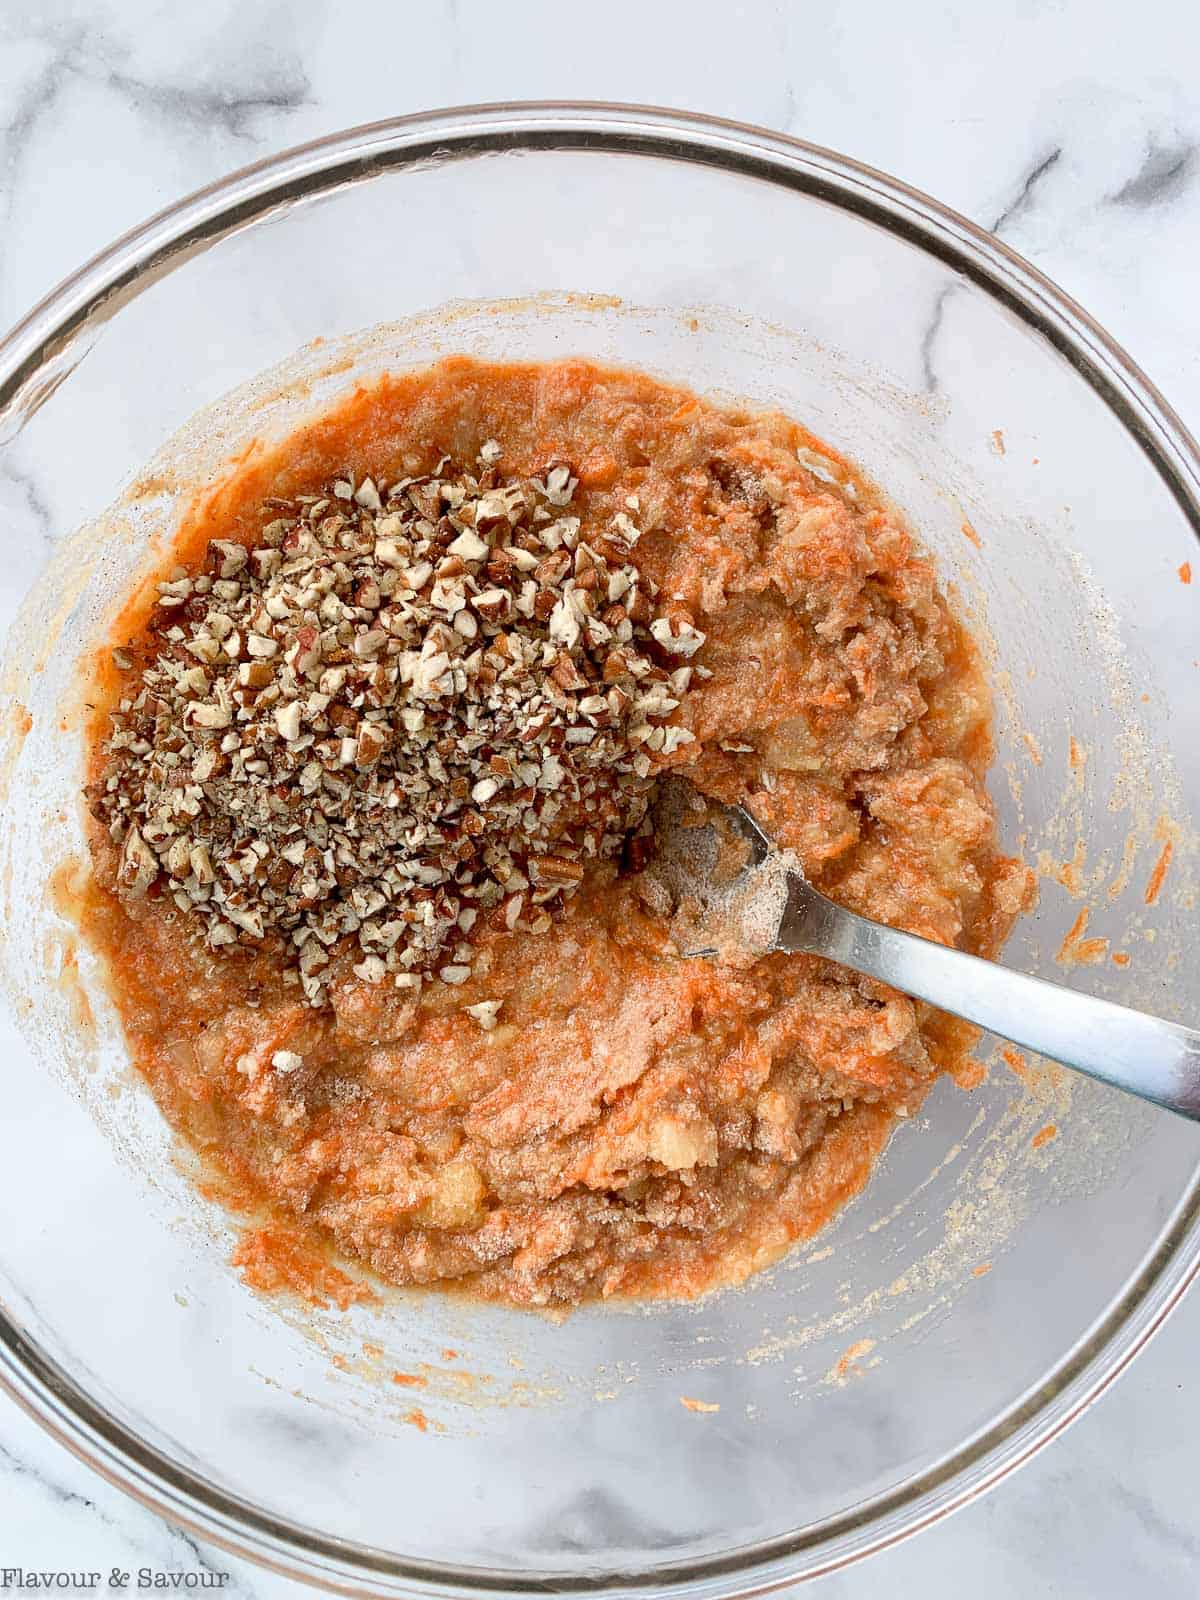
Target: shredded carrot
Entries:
(1155, 883)
(1075, 950)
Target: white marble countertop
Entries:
(1071, 126)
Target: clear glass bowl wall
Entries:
(982, 1289)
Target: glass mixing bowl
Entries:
(1018, 1244)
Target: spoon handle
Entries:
(1158, 1060)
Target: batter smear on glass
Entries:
(372, 779)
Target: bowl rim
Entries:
(41, 350)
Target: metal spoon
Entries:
(1147, 1056)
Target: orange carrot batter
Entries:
(635, 1122)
